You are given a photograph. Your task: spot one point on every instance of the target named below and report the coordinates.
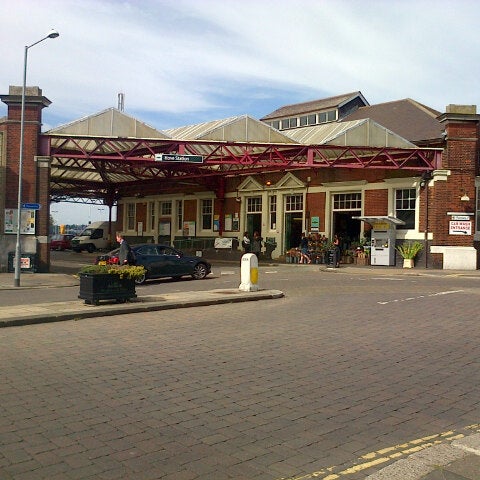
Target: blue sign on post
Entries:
(31, 206)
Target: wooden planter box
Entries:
(96, 287)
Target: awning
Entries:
(380, 219)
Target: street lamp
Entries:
(16, 283)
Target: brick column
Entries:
(10, 127)
(43, 215)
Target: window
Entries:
(273, 212)
(254, 204)
(303, 121)
(131, 216)
(276, 124)
(322, 117)
(285, 123)
(152, 215)
(179, 207)
(312, 119)
(405, 200)
(165, 208)
(294, 203)
(347, 201)
(331, 116)
(207, 214)
(293, 122)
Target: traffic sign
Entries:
(31, 206)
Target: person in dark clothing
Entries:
(123, 253)
(256, 243)
(304, 257)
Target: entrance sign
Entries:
(460, 228)
(176, 158)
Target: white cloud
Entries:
(189, 56)
(187, 61)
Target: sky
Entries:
(181, 62)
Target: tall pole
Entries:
(16, 282)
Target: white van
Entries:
(94, 237)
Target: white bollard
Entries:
(249, 273)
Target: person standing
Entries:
(246, 243)
(257, 244)
(124, 250)
(336, 244)
(304, 257)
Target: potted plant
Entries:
(408, 251)
(108, 282)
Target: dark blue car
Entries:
(161, 261)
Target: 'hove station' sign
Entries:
(177, 158)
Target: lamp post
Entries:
(16, 283)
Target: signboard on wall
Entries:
(216, 223)
(164, 227)
(460, 227)
(228, 222)
(188, 229)
(315, 224)
(27, 221)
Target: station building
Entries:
(333, 166)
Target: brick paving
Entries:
(264, 390)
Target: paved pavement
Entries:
(449, 456)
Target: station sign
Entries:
(177, 158)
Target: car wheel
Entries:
(200, 271)
(141, 280)
(90, 248)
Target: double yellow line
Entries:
(385, 455)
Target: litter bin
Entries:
(270, 246)
(28, 262)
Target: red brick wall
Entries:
(376, 202)
(316, 206)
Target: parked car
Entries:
(161, 261)
(61, 242)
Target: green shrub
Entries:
(409, 250)
(123, 271)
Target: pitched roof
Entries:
(408, 118)
(109, 123)
(358, 133)
(312, 106)
(242, 128)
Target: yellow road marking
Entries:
(384, 455)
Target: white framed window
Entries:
(151, 206)
(166, 208)
(405, 201)
(294, 203)
(207, 214)
(179, 210)
(254, 204)
(131, 212)
(273, 212)
(347, 201)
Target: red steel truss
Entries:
(84, 166)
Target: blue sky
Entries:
(189, 61)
